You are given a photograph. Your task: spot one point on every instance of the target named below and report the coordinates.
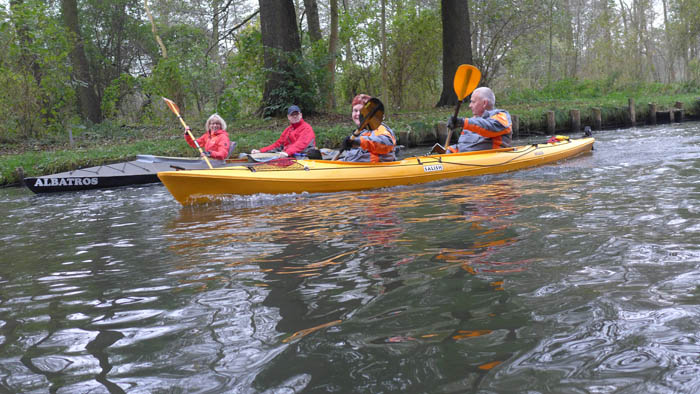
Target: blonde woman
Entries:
(215, 142)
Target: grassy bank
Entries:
(111, 142)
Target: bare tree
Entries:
(383, 50)
(332, 53)
(312, 20)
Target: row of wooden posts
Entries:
(439, 133)
(674, 114)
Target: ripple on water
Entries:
(574, 277)
(683, 288)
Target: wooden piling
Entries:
(678, 108)
(515, 127)
(441, 132)
(575, 116)
(551, 122)
(597, 119)
(20, 175)
(651, 118)
(632, 111)
(407, 138)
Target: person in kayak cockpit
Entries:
(215, 141)
(489, 128)
(297, 138)
(371, 145)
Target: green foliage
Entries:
(358, 70)
(574, 89)
(296, 87)
(243, 74)
(34, 77)
(228, 105)
(318, 58)
(200, 76)
(116, 37)
(168, 80)
(115, 93)
(607, 62)
(414, 53)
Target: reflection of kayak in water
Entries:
(317, 176)
(135, 172)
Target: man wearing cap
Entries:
(298, 137)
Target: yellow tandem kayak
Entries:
(319, 176)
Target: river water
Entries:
(579, 277)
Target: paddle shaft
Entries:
(189, 132)
(175, 110)
(449, 130)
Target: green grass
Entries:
(112, 142)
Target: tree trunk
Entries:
(332, 53)
(384, 59)
(280, 39)
(87, 98)
(549, 49)
(456, 45)
(312, 19)
(348, 46)
(214, 39)
(670, 55)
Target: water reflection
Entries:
(337, 264)
(579, 276)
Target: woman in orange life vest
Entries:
(489, 128)
(371, 145)
(214, 142)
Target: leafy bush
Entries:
(296, 87)
(34, 74)
(115, 93)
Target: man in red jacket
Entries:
(298, 137)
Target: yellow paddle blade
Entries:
(372, 114)
(467, 78)
(172, 105)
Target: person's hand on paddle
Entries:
(254, 151)
(283, 154)
(206, 153)
(453, 122)
(351, 142)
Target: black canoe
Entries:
(136, 172)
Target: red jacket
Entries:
(294, 139)
(217, 144)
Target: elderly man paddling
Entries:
(297, 138)
(489, 128)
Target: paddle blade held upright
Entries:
(466, 79)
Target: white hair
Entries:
(486, 94)
(215, 117)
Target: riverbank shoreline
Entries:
(417, 128)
